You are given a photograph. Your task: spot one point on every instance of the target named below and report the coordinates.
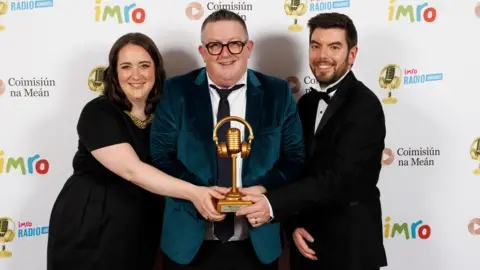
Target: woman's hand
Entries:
(202, 198)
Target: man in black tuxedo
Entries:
(335, 205)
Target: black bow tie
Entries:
(322, 95)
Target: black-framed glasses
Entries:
(234, 47)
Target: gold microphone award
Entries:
(475, 153)
(389, 81)
(95, 79)
(3, 11)
(295, 8)
(7, 233)
(230, 149)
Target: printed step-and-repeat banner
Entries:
(419, 56)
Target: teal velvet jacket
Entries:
(181, 145)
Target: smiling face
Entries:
(136, 72)
(228, 67)
(329, 55)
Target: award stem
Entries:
(234, 173)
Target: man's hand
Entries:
(299, 236)
(258, 213)
(255, 190)
(203, 200)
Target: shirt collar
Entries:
(242, 80)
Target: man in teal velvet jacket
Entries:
(182, 146)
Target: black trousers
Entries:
(214, 255)
(299, 262)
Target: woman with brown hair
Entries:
(108, 214)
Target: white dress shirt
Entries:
(237, 101)
(321, 108)
(322, 105)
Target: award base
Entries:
(232, 203)
(477, 171)
(295, 28)
(389, 100)
(5, 254)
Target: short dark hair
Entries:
(335, 20)
(224, 15)
(114, 92)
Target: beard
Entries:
(325, 78)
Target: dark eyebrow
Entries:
(128, 63)
(330, 44)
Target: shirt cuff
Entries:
(270, 207)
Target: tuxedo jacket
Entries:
(181, 144)
(337, 200)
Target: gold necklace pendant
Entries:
(140, 123)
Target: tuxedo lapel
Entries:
(254, 103)
(203, 116)
(253, 111)
(336, 101)
(308, 111)
(203, 105)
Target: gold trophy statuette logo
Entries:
(231, 148)
(95, 79)
(295, 8)
(7, 233)
(3, 11)
(475, 153)
(389, 81)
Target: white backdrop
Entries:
(58, 43)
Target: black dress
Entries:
(100, 220)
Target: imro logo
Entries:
(124, 13)
(31, 165)
(415, 13)
(409, 231)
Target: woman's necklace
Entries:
(140, 123)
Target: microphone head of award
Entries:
(230, 149)
(7, 233)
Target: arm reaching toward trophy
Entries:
(122, 160)
(163, 150)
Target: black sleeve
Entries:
(359, 144)
(100, 125)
